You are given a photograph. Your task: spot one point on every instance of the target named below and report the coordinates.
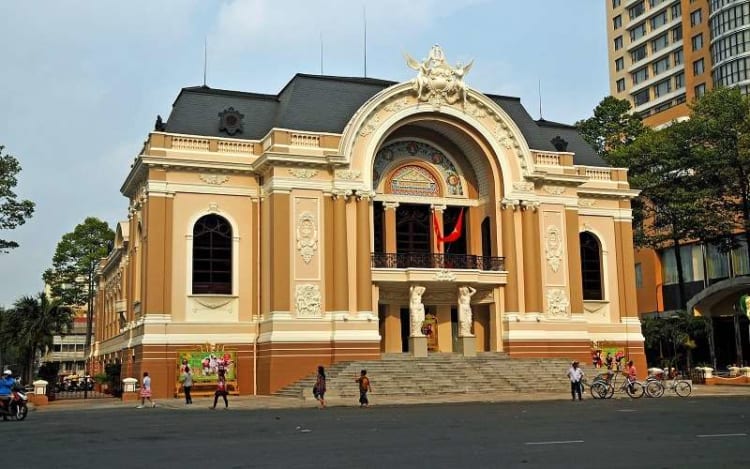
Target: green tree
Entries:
(13, 212)
(721, 123)
(611, 127)
(675, 205)
(31, 325)
(73, 273)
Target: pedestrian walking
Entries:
(576, 376)
(146, 391)
(319, 390)
(221, 390)
(364, 388)
(187, 384)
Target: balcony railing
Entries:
(382, 260)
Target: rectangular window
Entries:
(619, 64)
(661, 65)
(639, 75)
(676, 34)
(717, 263)
(679, 80)
(676, 11)
(700, 90)
(659, 43)
(691, 261)
(678, 57)
(638, 54)
(636, 10)
(740, 262)
(659, 20)
(697, 41)
(617, 22)
(618, 43)
(620, 85)
(638, 32)
(641, 97)
(696, 17)
(662, 88)
(698, 67)
(638, 275)
(615, 4)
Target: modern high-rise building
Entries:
(660, 54)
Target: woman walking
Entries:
(187, 385)
(319, 390)
(221, 390)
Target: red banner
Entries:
(455, 234)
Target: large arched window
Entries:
(591, 267)
(212, 256)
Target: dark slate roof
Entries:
(318, 103)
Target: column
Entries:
(573, 246)
(531, 262)
(340, 263)
(507, 226)
(393, 329)
(437, 246)
(280, 262)
(389, 219)
(364, 266)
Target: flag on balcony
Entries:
(455, 234)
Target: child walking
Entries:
(364, 388)
(146, 391)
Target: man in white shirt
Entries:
(576, 375)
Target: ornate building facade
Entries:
(344, 218)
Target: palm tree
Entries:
(33, 322)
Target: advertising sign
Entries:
(205, 366)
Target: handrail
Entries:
(436, 261)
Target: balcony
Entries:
(381, 260)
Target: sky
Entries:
(81, 82)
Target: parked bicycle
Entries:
(605, 385)
(656, 385)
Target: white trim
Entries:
(197, 215)
(320, 336)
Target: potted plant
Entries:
(101, 382)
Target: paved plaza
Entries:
(708, 430)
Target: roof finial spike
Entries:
(541, 117)
(205, 59)
(364, 43)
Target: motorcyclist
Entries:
(6, 387)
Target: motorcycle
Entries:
(16, 408)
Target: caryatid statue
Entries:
(416, 310)
(464, 311)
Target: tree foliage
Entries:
(29, 327)
(670, 341)
(13, 212)
(611, 127)
(75, 261)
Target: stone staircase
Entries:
(404, 375)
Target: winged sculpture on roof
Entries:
(436, 81)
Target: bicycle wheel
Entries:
(598, 390)
(654, 388)
(635, 390)
(683, 388)
(610, 391)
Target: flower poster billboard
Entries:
(205, 365)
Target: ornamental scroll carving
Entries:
(307, 236)
(213, 179)
(347, 174)
(553, 247)
(303, 173)
(307, 301)
(557, 303)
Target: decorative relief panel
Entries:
(523, 186)
(586, 202)
(215, 179)
(554, 190)
(557, 303)
(397, 105)
(303, 173)
(437, 82)
(370, 127)
(307, 236)
(410, 150)
(445, 275)
(553, 247)
(347, 175)
(414, 180)
(307, 301)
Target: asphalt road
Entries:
(659, 433)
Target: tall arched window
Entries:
(212, 256)
(591, 267)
